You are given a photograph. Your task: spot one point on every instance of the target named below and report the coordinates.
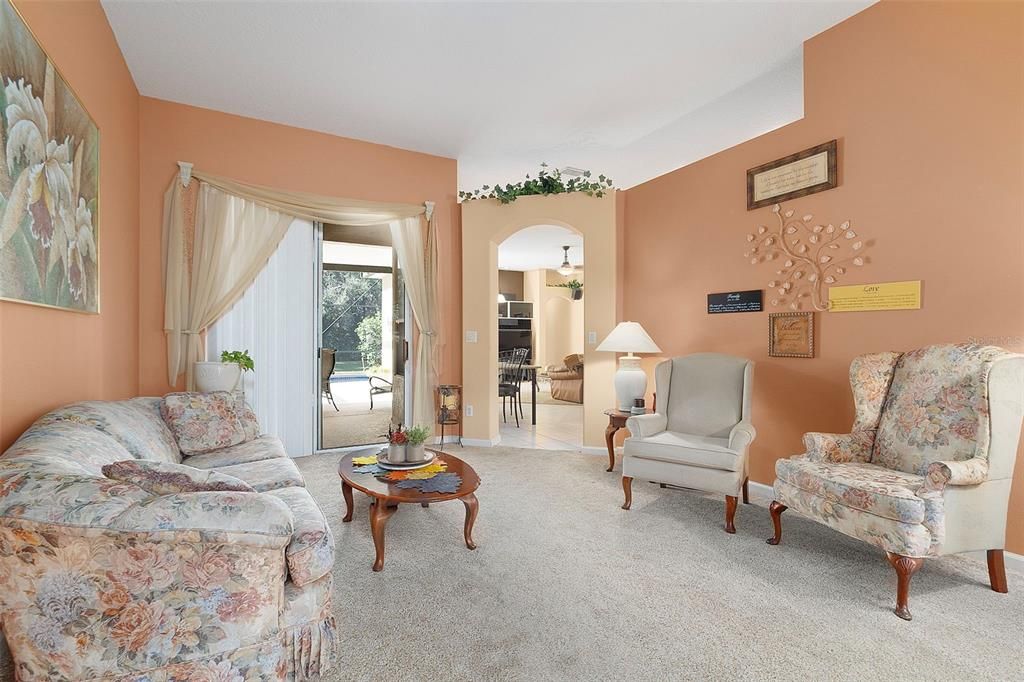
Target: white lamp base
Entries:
(630, 382)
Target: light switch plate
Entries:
(592, 338)
(469, 410)
(471, 336)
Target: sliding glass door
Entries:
(362, 332)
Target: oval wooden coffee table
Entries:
(385, 496)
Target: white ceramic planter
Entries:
(216, 376)
(415, 453)
(396, 454)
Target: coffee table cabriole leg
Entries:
(472, 507)
(379, 515)
(346, 492)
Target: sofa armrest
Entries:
(741, 436)
(646, 425)
(252, 519)
(839, 448)
(964, 472)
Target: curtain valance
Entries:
(325, 209)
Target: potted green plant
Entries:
(224, 375)
(414, 449)
(575, 288)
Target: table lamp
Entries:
(630, 379)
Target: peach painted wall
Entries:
(926, 100)
(52, 357)
(290, 158)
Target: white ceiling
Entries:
(630, 89)
(539, 247)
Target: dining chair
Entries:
(510, 379)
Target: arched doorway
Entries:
(541, 315)
(485, 225)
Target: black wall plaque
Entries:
(736, 302)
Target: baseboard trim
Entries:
(1014, 562)
(761, 490)
(481, 442)
(448, 439)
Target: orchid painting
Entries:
(49, 179)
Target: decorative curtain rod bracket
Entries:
(185, 172)
(428, 209)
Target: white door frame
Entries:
(318, 273)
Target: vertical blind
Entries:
(274, 321)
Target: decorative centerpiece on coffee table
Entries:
(406, 448)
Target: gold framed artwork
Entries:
(797, 175)
(49, 179)
(791, 335)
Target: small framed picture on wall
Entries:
(791, 335)
(797, 175)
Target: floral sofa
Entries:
(214, 566)
(927, 467)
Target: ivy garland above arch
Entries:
(546, 182)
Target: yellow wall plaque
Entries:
(882, 296)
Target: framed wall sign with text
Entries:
(797, 175)
(736, 302)
(791, 335)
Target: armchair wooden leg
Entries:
(776, 509)
(905, 567)
(627, 488)
(997, 571)
(746, 491)
(730, 513)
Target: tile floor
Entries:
(559, 427)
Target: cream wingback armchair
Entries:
(700, 432)
(927, 466)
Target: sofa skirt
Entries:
(298, 654)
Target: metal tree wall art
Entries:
(810, 254)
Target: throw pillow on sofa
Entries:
(250, 425)
(166, 478)
(202, 422)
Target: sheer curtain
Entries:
(232, 241)
(274, 321)
(418, 261)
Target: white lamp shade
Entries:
(629, 337)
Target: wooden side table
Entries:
(616, 420)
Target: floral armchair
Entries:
(927, 467)
(122, 560)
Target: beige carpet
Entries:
(565, 585)
(355, 425)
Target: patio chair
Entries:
(326, 371)
(379, 385)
